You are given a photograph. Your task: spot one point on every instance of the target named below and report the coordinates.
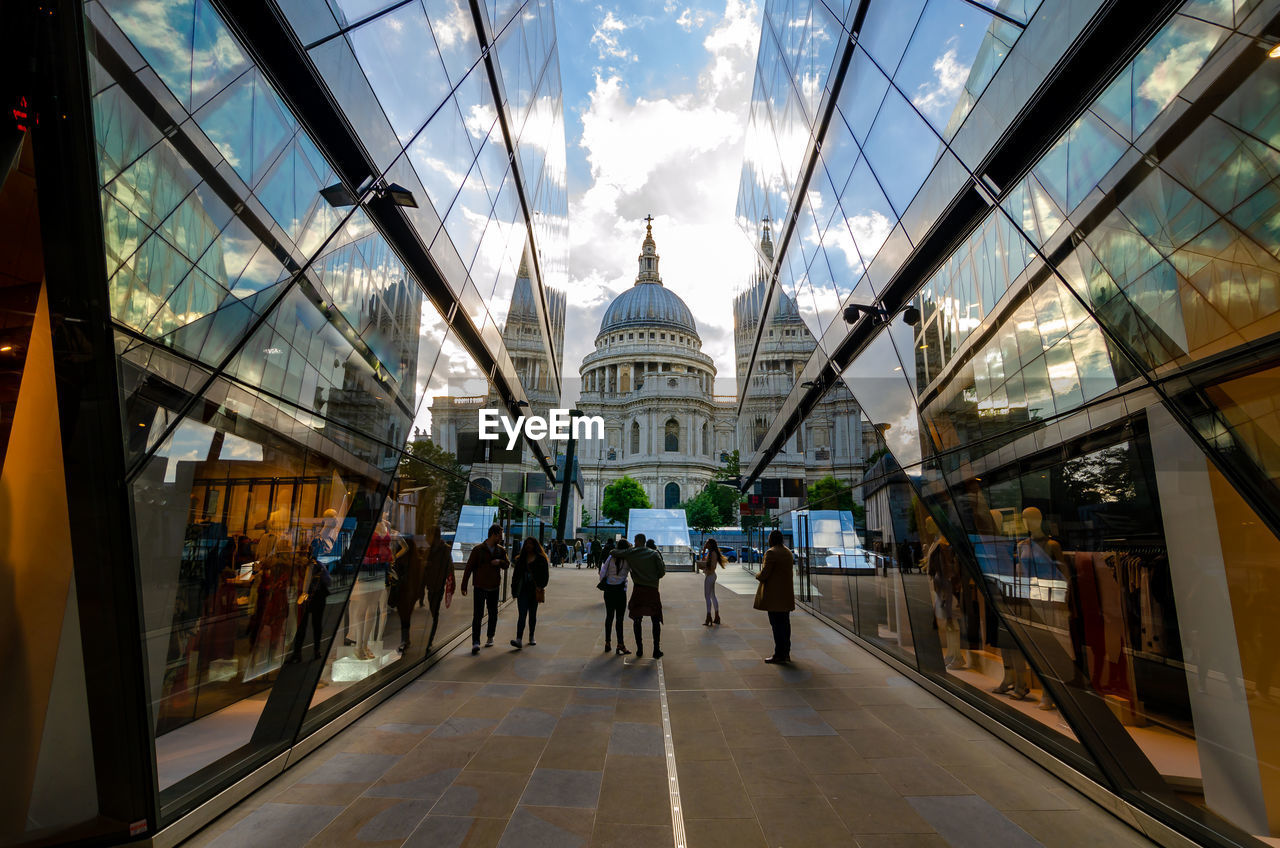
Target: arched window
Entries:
(706, 440)
(671, 496)
(635, 437)
(759, 428)
(673, 436)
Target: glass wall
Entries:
(293, 353)
(1065, 508)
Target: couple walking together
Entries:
(529, 576)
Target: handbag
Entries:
(541, 594)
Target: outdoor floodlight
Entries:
(338, 196)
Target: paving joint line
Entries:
(673, 781)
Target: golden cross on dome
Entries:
(648, 222)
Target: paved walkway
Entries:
(560, 745)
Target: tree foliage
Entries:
(830, 493)
(428, 466)
(620, 497)
(701, 512)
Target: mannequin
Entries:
(944, 574)
(1040, 555)
(396, 562)
(273, 574)
(367, 594)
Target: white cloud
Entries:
(607, 36)
(689, 19)
(937, 97)
(678, 157)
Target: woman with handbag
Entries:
(776, 595)
(529, 576)
(613, 582)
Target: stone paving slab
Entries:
(560, 744)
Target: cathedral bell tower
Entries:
(648, 258)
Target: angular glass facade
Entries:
(1069, 514)
(308, 226)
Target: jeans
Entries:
(480, 599)
(527, 604)
(709, 592)
(313, 612)
(615, 608)
(781, 624)
(657, 634)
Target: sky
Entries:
(656, 99)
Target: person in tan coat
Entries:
(776, 595)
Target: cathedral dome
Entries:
(648, 303)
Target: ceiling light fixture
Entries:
(1274, 52)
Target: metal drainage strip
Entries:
(673, 781)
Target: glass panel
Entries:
(230, 510)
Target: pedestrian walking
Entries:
(408, 588)
(776, 595)
(557, 556)
(487, 562)
(613, 582)
(647, 569)
(436, 577)
(711, 560)
(529, 577)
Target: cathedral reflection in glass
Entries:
(1069, 515)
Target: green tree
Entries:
(830, 493)
(428, 466)
(620, 497)
(732, 466)
(726, 497)
(701, 512)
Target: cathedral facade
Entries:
(653, 386)
(664, 426)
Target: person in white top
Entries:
(711, 559)
(613, 581)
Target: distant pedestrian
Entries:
(711, 560)
(613, 577)
(647, 569)
(487, 561)
(529, 577)
(436, 577)
(776, 595)
(651, 545)
(556, 556)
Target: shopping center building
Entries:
(1059, 221)
(245, 248)
(1017, 293)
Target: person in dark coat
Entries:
(487, 562)
(410, 568)
(776, 595)
(435, 576)
(529, 576)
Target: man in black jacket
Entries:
(486, 562)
